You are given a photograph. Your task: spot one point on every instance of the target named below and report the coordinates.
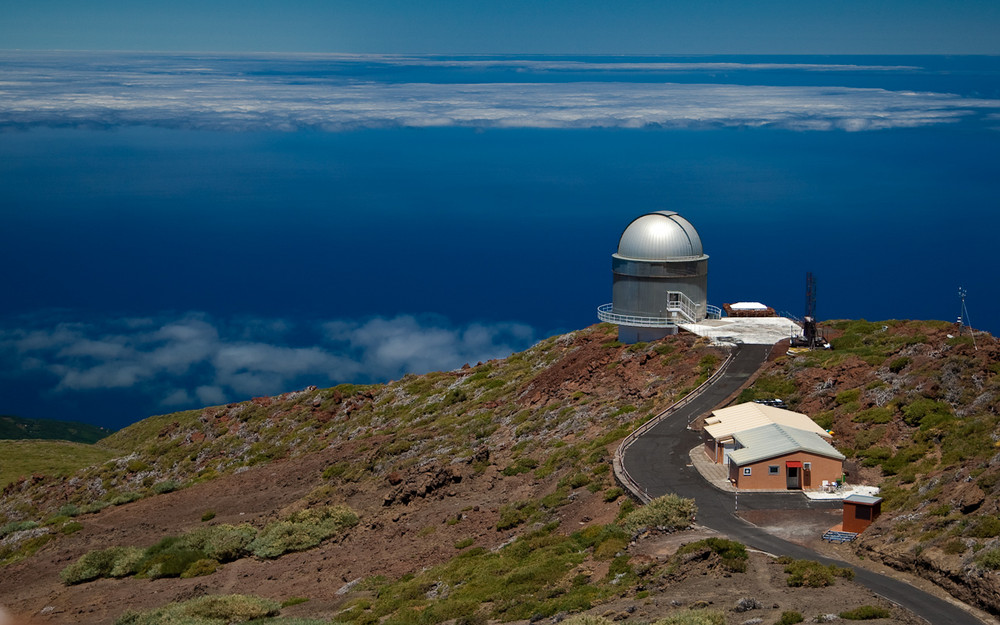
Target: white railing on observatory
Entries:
(680, 307)
(604, 314)
(677, 302)
(714, 312)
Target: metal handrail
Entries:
(604, 313)
(621, 473)
(682, 305)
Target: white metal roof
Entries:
(663, 235)
(864, 499)
(725, 422)
(773, 440)
(748, 306)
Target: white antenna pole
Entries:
(965, 318)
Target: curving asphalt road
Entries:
(658, 462)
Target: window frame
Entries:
(773, 469)
(746, 471)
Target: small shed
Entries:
(860, 511)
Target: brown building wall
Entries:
(712, 450)
(859, 516)
(823, 468)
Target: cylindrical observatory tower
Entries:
(660, 278)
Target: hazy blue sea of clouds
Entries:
(185, 230)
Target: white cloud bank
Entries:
(336, 93)
(196, 360)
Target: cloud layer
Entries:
(195, 360)
(343, 92)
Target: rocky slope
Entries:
(426, 461)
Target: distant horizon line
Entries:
(514, 54)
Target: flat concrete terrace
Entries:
(749, 330)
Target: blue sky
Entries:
(517, 26)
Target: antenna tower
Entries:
(963, 318)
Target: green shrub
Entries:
(168, 558)
(111, 562)
(986, 527)
(848, 396)
(71, 527)
(694, 617)
(613, 494)
(17, 526)
(578, 480)
(209, 610)
(989, 559)
(814, 574)
(208, 516)
(865, 613)
(511, 516)
(224, 543)
(69, 510)
(899, 364)
(521, 465)
(874, 415)
(790, 617)
(734, 554)
(302, 530)
(465, 542)
(669, 511)
(205, 566)
(609, 548)
(927, 413)
(954, 547)
(824, 419)
(125, 498)
(293, 601)
(166, 486)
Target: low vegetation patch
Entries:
(667, 512)
(790, 617)
(201, 551)
(813, 574)
(733, 554)
(534, 576)
(865, 613)
(703, 616)
(209, 610)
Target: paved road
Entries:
(658, 462)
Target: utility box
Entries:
(860, 511)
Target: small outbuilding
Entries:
(778, 457)
(860, 511)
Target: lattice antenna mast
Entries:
(963, 318)
(810, 295)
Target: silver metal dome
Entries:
(662, 235)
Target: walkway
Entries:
(659, 462)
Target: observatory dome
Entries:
(663, 235)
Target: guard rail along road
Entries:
(621, 474)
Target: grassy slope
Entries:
(522, 409)
(18, 428)
(60, 458)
